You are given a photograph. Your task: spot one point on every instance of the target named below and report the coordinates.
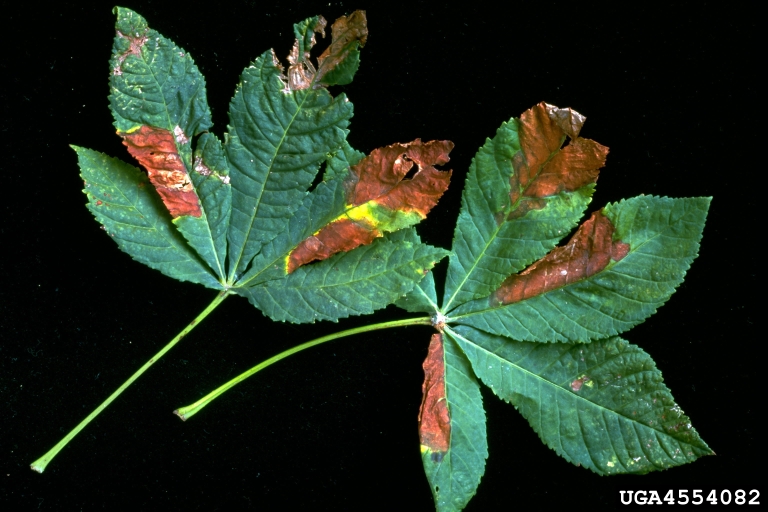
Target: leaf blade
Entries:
(277, 141)
(351, 283)
(602, 405)
(451, 426)
(359, 204)
(159, 103)
(379, 199)
(121, 199)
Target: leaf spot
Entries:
(578, 383)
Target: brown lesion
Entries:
(301, 71)
(380, 176)
(345, 32)
(589, 251)
(541, 168)
(135, 43)
(342, 235)
(302, 74)
(155, 149)
(434, 416)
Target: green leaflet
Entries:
(454, 475)
(357, 282)
(601, 405)
(210, 176)
(155, 84)
(277, 141)
(123, 201)
(663, 236)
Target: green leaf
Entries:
(523, 195)
(158, 102)
(619, 267)
(155, 83)
(131, 212)
(602, 405)
(239, 217)
(357, 282)
(210, 176)
(277, 140)
(451, 426)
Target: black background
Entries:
(672, 92)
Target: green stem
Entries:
(187, 412)
(40, 464)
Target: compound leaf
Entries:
(601, 405)
(617, 269)
(239, 216)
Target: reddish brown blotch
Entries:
(155, 149)
(541, 168)
(434, 417)
(379, 178)
(588, 252)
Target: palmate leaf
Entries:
(598, 401)
(237, 215)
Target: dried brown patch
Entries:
(342, 235)
(542, 169)
(589, 251)
(155, 149)
(434, 417)
(134, 48)
(346, 33)
(379, 176)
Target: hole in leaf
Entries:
(410, 174)
(318, 178)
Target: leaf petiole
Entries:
(40, 464)
(190, 410)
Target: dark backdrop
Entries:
(670, 90)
